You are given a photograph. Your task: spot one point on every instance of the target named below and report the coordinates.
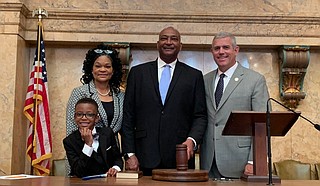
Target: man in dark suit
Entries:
(243, 89)
(155, 121)
(91, 150)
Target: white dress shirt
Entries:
(87, 150)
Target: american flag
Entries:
(36, 109)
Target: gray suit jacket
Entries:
(247, 91)
(89, 91)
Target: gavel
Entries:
(181, 157)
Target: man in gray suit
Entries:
(240, 89)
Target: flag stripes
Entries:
(36, 109)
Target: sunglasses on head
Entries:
(100, 51)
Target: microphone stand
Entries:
(317, 126)
(269, 145)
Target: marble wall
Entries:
(261, 27)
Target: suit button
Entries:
(216, 124)
(162, 112)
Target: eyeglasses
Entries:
(80, 115)
(100, 51)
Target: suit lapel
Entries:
(153, 70)
(233, 83)
(102, 143)
(211, 86)
(95, 96)
(154, 76)
(77, 139)
(176, 74)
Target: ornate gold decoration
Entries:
(125, 57)
(40, 12)
(294, 61)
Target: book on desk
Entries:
(129, 174)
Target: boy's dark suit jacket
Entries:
(151, 129)
(81, 164)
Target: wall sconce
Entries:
(294, 61)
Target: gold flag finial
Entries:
(40, 12)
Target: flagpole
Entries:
(40, 13)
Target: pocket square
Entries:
(108, 148)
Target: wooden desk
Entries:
(144, 181)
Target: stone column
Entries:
(14, 70)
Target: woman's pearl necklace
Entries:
(106, 94)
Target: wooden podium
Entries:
(251, 123)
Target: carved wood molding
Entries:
(125, 57)
(294, 61)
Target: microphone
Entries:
(317, 126)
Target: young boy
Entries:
(91, 150)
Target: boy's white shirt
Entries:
(87, 150)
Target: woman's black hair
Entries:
(91, 57)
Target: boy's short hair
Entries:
(87, 100)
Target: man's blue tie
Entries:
(219, 90)
(164, 82)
